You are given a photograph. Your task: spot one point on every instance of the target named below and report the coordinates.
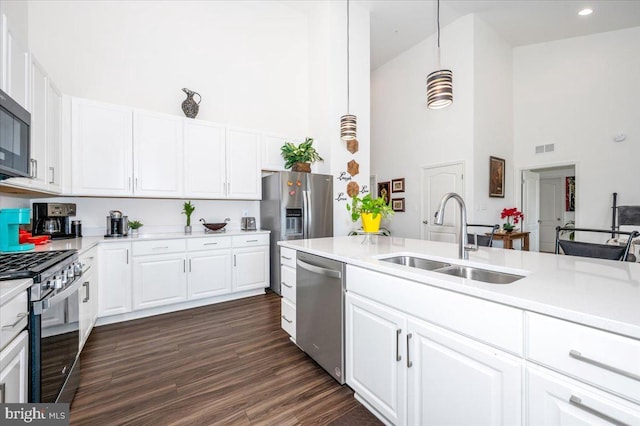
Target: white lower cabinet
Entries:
(553, 399)
(250, 262)
(159, 280)
(88, 298)
(14, 364)
(288, 288)
(114, 272)
(413, 372)
(209, 274)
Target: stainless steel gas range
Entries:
(54, 368)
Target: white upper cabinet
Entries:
(54, 138)
(243, 164)
(40, 87)
(271, 154)
(101, 145)
(157, 155)
(204, 160)
(15, 66)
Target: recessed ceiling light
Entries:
(585, 12)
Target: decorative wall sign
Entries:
(353, 167)
(397, 204)
(353, 188)
(384, 190)
(570, 194)
(397, 185)
(341, 197)
(496, 177)
(344, 176)
(352, 146)
(364, 189)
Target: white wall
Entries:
(248, 60)
(578, 93)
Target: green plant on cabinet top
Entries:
(135, 224)
(303, 153)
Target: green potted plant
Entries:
(371, 210)
(188, 209)
(135, 225)
(299, 158)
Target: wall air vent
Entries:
(539, 149)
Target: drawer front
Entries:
(251, 240)
(13, 318)
(210, 243)
(288, 283)
(288, 257)
(288, 318)
(603, 359)
(143, 248)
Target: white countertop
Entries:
(599, 293)
(8, 289)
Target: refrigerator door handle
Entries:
(307, 218)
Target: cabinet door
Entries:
(250, 268)
(40, 87)
(205, 161)
(455, 380)
(209, 274)
(14, 370)
(114, 273)
(555, 400)
(17, 68)
(271, 154)
(159, 280)
(101, 145)
(375, 356)
(243, 164)
(54, 138)
(157, 155)
(85, 306)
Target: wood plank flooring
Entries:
(227, 364)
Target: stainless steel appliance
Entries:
(54, 336)
(295, 206)
(248, 224)
(320, 311)
(117, 224)
(53, 219)
(15, 139)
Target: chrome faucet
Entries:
(463, 248)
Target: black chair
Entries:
(595, 250)
(482, 230)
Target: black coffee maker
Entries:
(53, 219)
(117, 224)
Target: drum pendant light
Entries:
(348, 121)
(439, 82)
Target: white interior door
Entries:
(551, 198)
(437, 181)
(531, 207)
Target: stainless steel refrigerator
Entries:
(295, 206)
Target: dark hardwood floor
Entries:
(227, 364)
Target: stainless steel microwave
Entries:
(15, 138)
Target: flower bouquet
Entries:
(510, 214)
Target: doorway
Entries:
(437, 181)
(547, 203)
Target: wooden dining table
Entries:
(508, 237)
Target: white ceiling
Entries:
(397, 25)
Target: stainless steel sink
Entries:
(476, 274)
(417, 262)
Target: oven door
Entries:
(55, 338)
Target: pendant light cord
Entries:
(348, 100)
(438, 26)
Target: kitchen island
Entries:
(423, 347)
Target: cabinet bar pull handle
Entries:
(398, 332)
(409, 363)
(189, 265)
(127, 256)
(285, 257)
(577, 355)
(252, 241)
(234, 260)
(184, 265)
(129, 185)
(36, 163)
(2, 393)
(20, 317)
(210, 244)
(577, 402)
(86, 285)
(53, 174)
(160, 248)
(285, 318)
(285, 284)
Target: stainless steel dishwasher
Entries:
(320, 311)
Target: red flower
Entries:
(512, 213)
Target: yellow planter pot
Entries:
(369, 224)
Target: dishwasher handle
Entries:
(319, 270)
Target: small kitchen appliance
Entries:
(10, 220)
(15, 140)
(248, 224)
(53, 219)
(117, 224)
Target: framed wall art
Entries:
(496, 177)
(397, 185)
(397, 204)
(384, 189)
(570, 194)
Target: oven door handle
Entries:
(41, 306)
